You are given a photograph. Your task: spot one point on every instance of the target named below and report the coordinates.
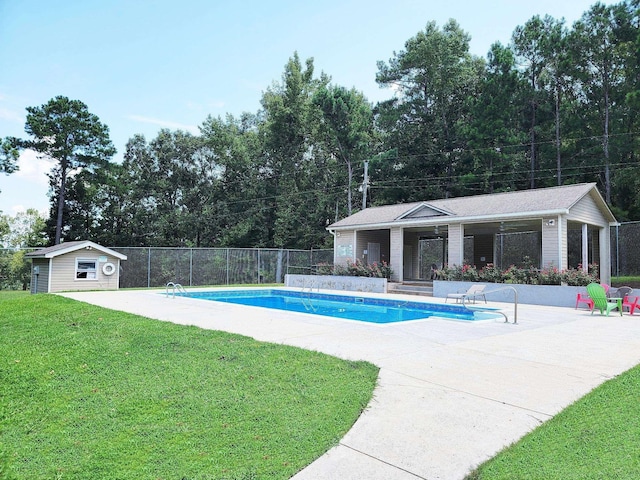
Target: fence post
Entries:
(279, 267)
(617, 250)
(258, 269)
(149, 269)
(227, 265)
(191, 267)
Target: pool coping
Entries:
(450, 394)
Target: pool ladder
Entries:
(308, 304)
(506, 319)
(175, 286)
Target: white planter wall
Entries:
(337, 282)
(551, 295)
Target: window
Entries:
(86, 269)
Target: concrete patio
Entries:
(450, 394)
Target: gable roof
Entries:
(521, 204)
(68, 247)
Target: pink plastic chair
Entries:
(584, 298)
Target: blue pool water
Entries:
(365, 309)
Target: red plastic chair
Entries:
(627, 302)
(584, 298)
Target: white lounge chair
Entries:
(473, 292)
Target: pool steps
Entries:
(412, 288)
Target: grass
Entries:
(89, 393)
(595, 438)
(629, 281)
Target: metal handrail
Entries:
(175, 286)
(310, 305)
(515, 303)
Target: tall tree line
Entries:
(557, 105)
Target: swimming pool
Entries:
(364, 309)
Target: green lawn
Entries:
(595, 438)
(91, 393)
(628, 281)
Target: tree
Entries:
(8, 155)
(433, 77)
(555, 77)
(25, 229)
(493, 131)
(292, 161)
(529, 45)
(237, 211)
(63, 130)
(347, 121)
(599, 58)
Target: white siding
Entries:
(344, 249)
(554, 243)
(587, 211)
(39, 283)
(373, 236)
(64, 272)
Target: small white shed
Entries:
(80, 265)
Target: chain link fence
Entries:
(625, 249)
(155, 266)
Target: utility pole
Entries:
(365, 184)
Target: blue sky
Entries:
(145, 65)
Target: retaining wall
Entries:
(337, 282)
(551, 295)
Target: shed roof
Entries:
(520, 204)
(67, 247)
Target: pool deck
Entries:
(450, 395)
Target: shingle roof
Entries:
(67, 247)
(540, 201)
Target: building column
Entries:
(585, 247)
(605, 255)
(396, 247)
(456, 244)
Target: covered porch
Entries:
(561, 227)
(413, 252)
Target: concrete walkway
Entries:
(450, 394)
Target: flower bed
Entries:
(357, 269)
(526, 275)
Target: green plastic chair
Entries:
(598, 294)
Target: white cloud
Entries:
(10, 115)
(165, 124)
(33, 169)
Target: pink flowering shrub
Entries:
(526, 274)
(357, 269)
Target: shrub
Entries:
(491, 274)
(357, 269)
(550, 276)
(527, 274)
